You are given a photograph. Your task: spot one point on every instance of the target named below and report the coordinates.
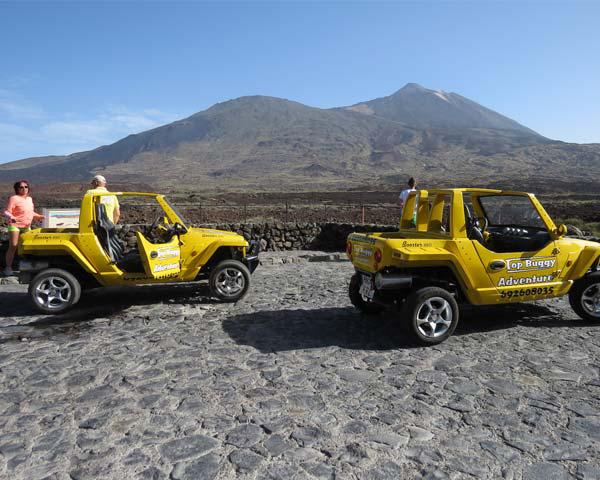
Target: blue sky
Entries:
(77, 75)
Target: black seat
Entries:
(474, 231)
(107, 234)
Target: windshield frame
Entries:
(181, 219)
(541, 222)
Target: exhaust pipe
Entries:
(392, 281)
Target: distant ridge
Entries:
(268, 143)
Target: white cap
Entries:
(99, 179)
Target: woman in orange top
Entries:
(20, 214)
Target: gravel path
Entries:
(292, 383)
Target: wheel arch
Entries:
(63, 248)
(443, 276)
(588, 262)
(63, 262)
(223, 252)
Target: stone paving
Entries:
(292, 383)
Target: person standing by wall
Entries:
(412, 184)
(20, 213)
(111, 203)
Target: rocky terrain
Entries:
(378, 206)
(292, 383)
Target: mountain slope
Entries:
(270, 143)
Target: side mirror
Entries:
(179, 229)
(561, 231)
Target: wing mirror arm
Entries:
(561, 231)
(179, 229)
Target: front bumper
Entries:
(251, 259)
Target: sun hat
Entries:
(98, 179)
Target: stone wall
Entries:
(272, 236)
(301, 236)
(286, 236)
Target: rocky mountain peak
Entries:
(411, 88)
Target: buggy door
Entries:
(518, 252)
(161, 260)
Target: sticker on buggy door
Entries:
(164, 253)
(514, 281)
(529, 264)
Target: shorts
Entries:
(12, 228)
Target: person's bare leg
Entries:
(13, 241)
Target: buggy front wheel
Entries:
(584, 297)
(229, 280)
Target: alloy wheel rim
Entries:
(53, 292)
(590, 300)
(230, 282)
(434, 317)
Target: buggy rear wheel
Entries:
(430, 315)
(54, 290)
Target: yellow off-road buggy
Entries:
(59, 262)
(474, 246)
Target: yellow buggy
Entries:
(58, 263)
(470, 246)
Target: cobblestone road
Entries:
(292, 383)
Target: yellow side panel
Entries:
(160, 260)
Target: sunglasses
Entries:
(23, 186)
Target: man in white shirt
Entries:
(111, 203)
(404, 193)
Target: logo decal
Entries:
(361, 237)
(416, 244)
(513, 281)
(162, 268)
(167, 252)
(529, 264)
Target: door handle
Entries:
(497, 265)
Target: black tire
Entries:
(54, 291)
(357, 299)
(584, 297)
(417, 311)
(229, 280)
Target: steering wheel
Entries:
(155, 223)
(475, 231)
(485, 223)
